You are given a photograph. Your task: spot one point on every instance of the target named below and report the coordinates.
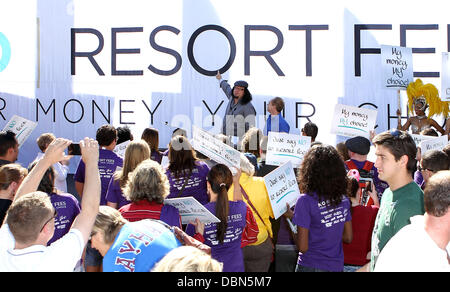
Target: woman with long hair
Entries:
(136, 152)
(322, 212)
(187, 174)
(151, 136)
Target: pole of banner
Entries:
(399, 117)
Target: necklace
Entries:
(421, 117)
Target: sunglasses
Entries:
(54, 216)
(420, 168)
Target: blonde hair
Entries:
(147, 182)
(187, 259)
(430, 93)
(247, 166)
(251, 141)
(44, 140)
(27, 215)
(108, 222)
(11, 173)
(136, 152)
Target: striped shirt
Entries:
(144, 209)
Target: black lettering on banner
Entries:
(212, 113)
(115, 51)
(165, 50)
(108, 119)
(308, 29)
(358, 50)
(300, 116)
(38, 104)
(190, 49)
(152, 112)
(128, 112)
(371, 104)
(64, 111)
(3, 107)
(406, 27)
(89, 55)
(265, 54)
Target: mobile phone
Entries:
(74, 149)
(369, 186)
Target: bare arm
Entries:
(302, 239)
(237, 194)
(437, 126)
(347, 236)
(92, 188)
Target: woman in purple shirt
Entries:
(136, 152)
(187, 174)
(225, 237)
(322, 212)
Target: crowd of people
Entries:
(352, 214)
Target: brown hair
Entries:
(109, 221)
(151, 136)
(44, 140)
(278, 103)
(181, 156)
(136, 152)
(11, 173)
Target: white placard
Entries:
(282, 188)
(283, 147)
(433, 144)
(120, 149)
(353, 121)
(445, 77)
(215, 149)
(397, 67)
(21, 127)
(419, 138)
(190, 209)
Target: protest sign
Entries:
(283, 147)
(445, 77)
(353, 121)
(21, 127)
(120, 149)
(419, 138)
(434, 144)
(190, 209)
(282, 188)
(215, 149)
(397, 67)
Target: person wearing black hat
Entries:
(358, 148)
(240, 115)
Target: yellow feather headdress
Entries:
(417, 90)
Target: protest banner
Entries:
(21, 127)
(434, 144)
(283, 147)
(120, 149)
(353, 121)
(215, 149)
(282, 188)
(190, 209)
(397, 67)
(419, 138)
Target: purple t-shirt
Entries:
(326, 226)
(115, 195)
(195, 186)
(156, 156)
(229, 252)
(107, 163)
(67, 208)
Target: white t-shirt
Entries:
(61, 256)
(412, 250)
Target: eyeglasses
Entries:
(54, 216)
(420, 168)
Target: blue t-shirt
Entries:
(326, 226)
(139, 246)
(276, 124)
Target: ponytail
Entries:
(222, 209)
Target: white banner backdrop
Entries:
(72, 66)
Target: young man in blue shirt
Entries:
(275, 121)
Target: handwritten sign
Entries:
(445, 77)
(353, 121)
(419, 138)
(397, 68)
(120, 149)
(190, 209)
(282, 188)
(434, 144)
(215, 149)
(21, 127)
(283, 147)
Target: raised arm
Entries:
(237, 194)
(91, 190)
(53, 154)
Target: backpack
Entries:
(365, 176)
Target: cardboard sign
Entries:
(445, 77)
(282, 188)
(215, 149)
(433, 144)
(419, 138)
(190, 209)
(21, 127)
(353, 121)
(397, 67)
(120, 149)
(283, 147)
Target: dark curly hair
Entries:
(323, 172)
